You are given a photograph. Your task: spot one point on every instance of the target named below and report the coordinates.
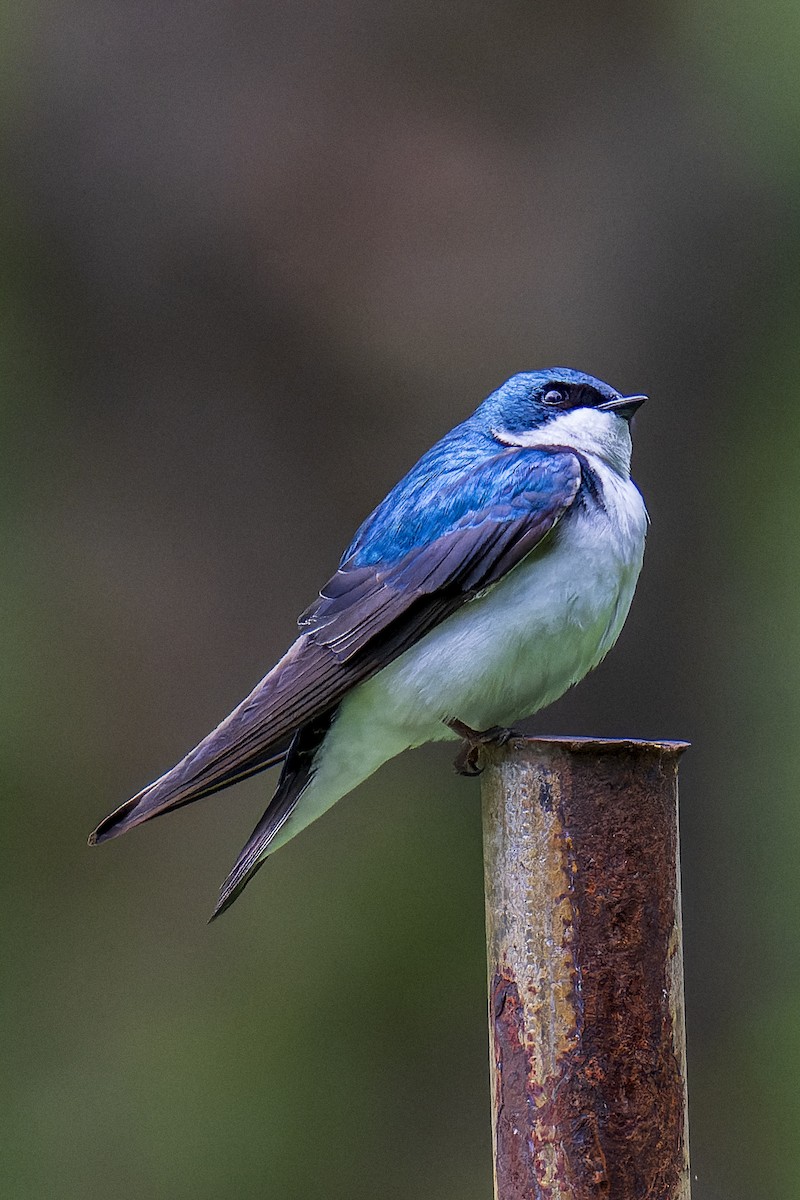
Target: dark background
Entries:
(256, 258)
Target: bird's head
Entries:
(562, 407)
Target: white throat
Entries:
(597, 434)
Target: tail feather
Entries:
(295, 777)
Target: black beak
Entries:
(623, 406)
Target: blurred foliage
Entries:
(255, 259)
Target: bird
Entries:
(495, 575)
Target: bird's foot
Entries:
(467, 761)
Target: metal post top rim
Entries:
(596, 745)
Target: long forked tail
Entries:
(295, 778)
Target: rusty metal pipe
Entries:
(586, 1017)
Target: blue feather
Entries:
(463, 473)
(427, 505)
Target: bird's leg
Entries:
(467, 760)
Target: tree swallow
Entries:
(495, 575)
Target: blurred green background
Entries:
(256, 258)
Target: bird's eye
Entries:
(555, 397)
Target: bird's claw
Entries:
(467, 761)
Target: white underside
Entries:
(501, 657)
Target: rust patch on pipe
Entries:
(515, 1158)
(619, 1097)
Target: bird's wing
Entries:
(464, 535)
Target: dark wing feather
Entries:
(255, 736)
(366, 616)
